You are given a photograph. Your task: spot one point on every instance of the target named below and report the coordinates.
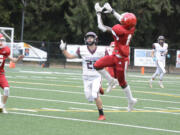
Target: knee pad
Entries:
(6, 91)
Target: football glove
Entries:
(98, 8)
(108, 8)
(154, 59)
(63, 45)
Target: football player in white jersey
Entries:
(159, 52)
(89, 53)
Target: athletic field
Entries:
(51, 101)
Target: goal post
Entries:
(8, 33)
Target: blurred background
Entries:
(47, 21)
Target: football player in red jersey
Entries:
(122, 34)
(4, 54)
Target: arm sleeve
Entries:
(78, 53)
(153, 46)
(117, 15)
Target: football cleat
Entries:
(150, 84)
(161, 85)
(101, 91)
(112, 84)
(3, 110)
(102, 117)
(131, 104)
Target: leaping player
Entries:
(122, 34)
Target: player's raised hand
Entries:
(63, 45)
(20, 57)
(108, 8)
(98, 8)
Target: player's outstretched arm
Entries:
(108, 9)
(63, 47)
(16, 59)
(101, 26)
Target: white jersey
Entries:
(160, 51)
(89, 58)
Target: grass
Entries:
(51, 101)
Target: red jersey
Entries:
(4, 53)
(122, 38)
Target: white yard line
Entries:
(174, 108)
(149, 76)
(58, 101)
(89, 104)
(162, 110)
(82, 93)
(97, 122)
(43, 72)
(81, 109)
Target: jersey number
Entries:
(90, 64)
(128, 39)
(1, 59)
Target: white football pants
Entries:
(160, 70)
(91, 87)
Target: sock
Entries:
(161, 76)
(151, 80)
(105, 74)
(101, 112)
(128, 93)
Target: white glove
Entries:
(108, 8)
(98, 8)
(63, 45)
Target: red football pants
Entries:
(111, 71)
(3, 81)
(119, 64)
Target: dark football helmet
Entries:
(90, 41)
(161, 40)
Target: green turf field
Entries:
(51, 102)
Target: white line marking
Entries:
(174, 108)
(155, 108)
(28, 110)
(56, 73)
(83, 109)
(97, 122)
(161, 110)
(52, 109)
(58, 101)
(71, 92)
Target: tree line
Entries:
(52, 20)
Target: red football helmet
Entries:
(2, 37)
(128, 20)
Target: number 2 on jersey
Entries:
(90, 64)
